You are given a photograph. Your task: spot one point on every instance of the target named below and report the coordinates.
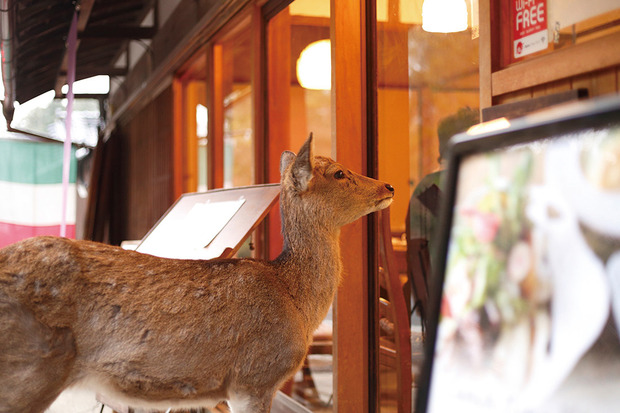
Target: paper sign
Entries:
(187, 237)
(204, 221)
(529, 27)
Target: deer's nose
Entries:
(389, 187)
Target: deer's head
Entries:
(318, 188)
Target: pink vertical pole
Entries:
(66, 163)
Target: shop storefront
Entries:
(379, 87)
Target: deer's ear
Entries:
(302, 167)
(285, 160)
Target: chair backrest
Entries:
(397, 300)
(419, 272)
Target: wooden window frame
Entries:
(185, 152)
(248, 18)
(354, 144)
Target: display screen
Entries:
(530, 303)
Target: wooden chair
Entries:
(418, 256)
(419, 272)
(395, 343)
(322, 343)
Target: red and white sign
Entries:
(529, 26)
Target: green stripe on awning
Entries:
(33, 162)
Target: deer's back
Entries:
(120, 305)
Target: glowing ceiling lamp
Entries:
(314, 66)
(444, 16)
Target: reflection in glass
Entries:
(427, 88)
(237, 109)
(192, 143)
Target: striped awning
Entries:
(31, 190)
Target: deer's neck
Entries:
(311, 271)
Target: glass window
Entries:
(192, 126)
(234, 60)
(45, 115)
(298, 88)
(299, 70)
(427, 90)
(299, 99)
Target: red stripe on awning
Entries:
(10, 233)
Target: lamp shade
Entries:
(444, 16)
(314, 66)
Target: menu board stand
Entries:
(210, 224)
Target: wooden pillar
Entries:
(215, 99)
(259, 112)
(349, 138)
(279, 108)
(178, 138)
(486, 97)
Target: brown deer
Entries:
(157, 333)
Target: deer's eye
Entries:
(339, 175)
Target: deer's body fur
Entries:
(158, 332)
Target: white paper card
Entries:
(195, 231)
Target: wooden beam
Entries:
(89, 71)
(84, 8)
(118, 32)
(86, 96)
(523, 107)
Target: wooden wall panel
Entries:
(598, 83)
(552, 87)
(144, 187)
